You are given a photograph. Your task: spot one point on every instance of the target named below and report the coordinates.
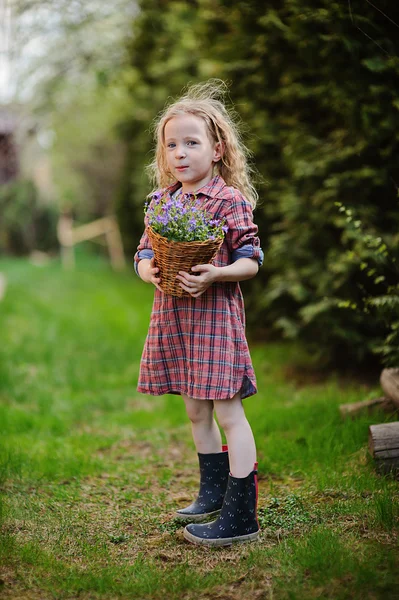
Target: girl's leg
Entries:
(240, 439)
(206, 433)
(213, 463)
(237, 521)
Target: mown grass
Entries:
(91, 472)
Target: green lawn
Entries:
(91, 471)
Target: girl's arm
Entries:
(241, 269)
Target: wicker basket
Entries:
(172, 257)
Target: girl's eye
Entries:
(191, 143)
(171, 145)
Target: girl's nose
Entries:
(180, 152)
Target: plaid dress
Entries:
(197, 346)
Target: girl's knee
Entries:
(198, 410)
(230, 413)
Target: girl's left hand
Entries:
(196, 285)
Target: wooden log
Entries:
(390, 384)
(355, 409)
(384, 447)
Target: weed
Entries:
(285, 513)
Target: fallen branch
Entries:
(367, 406)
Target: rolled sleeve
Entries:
(140, 255)
(241, 237)
(248, 251)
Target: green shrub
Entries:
(26, 224)
(316, 85)
(379, 295)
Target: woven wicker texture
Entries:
(172, 257)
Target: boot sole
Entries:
(195, 518)
(250, 537)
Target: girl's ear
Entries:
(218, 151)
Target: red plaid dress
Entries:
(197, 346)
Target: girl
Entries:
(196, 345)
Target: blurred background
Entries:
(317, 87)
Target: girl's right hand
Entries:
(151, 274)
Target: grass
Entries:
(91, 471)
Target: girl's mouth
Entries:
(181, 168)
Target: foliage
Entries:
(379, 263)
(324, 124)
(87, 156)
(75, 44)
(26, 223)
(72, 86)
(316, 86)
(285, 513)
(182, 219)
(165, 53)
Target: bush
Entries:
(317, 90)
(25, 224)
(379, 295)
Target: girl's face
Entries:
(190, 153)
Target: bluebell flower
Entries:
(157, 196)
(183, 219)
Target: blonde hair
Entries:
(205, 100)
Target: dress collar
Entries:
(212, 189)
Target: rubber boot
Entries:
(214, 474)
(237, 521)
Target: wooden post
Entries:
(65, 237)
(107, 226)
(115, 246)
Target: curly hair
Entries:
(205, 100)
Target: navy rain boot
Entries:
(237, 521)
(214, 474)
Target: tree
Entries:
(316, 85)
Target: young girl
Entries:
(196, 345)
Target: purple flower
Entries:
(183, 218)
(162, 219)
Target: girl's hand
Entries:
(152, 272)
(149, 273)
(196, 285)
